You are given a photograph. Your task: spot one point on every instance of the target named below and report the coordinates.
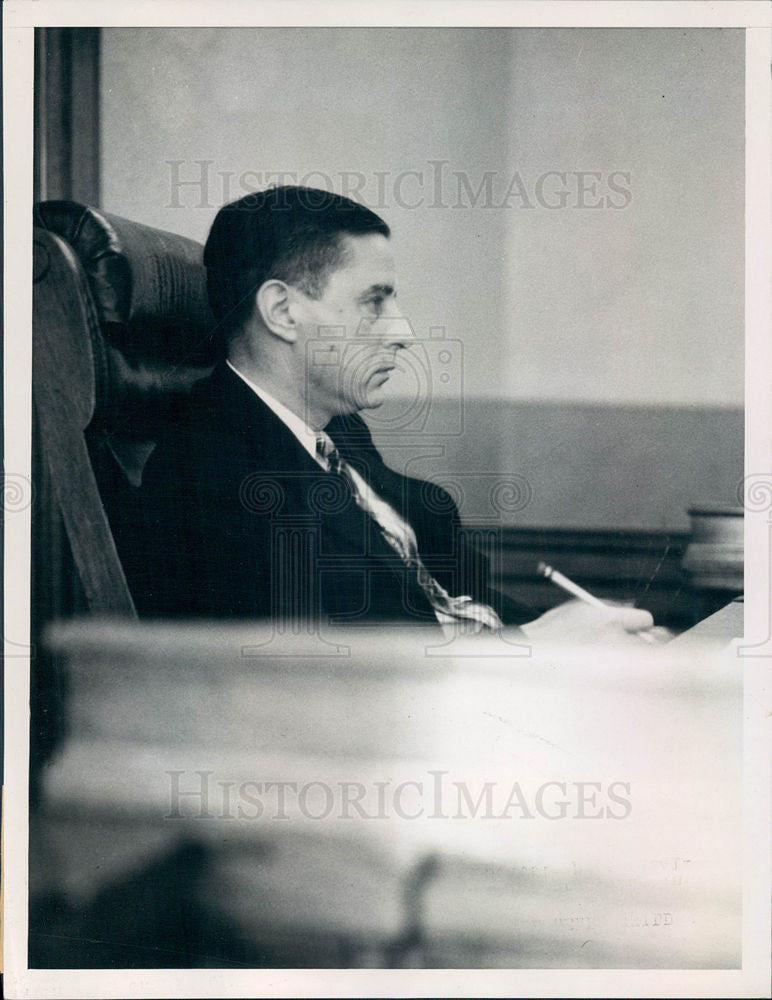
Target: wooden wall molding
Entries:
(67, 103)
(638, 566)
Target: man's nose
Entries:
(394, 330)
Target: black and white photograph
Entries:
(387, 499)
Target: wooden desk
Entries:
(522, 881)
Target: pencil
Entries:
(556, 577)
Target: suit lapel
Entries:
(264, 435)
(280, 457)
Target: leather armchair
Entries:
(122, 330)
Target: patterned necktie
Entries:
(401, 537)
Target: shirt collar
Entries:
(299, 428)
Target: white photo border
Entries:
(754, 651)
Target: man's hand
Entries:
(575, 622)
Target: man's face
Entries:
(352, 333)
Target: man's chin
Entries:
(370, 401)
(374, 401)
(373, 397)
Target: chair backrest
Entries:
(122, 332)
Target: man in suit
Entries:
(268, 498)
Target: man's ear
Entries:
(273, 304)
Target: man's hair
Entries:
(290, 233)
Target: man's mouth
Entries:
(383, 372)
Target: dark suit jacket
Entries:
(238, 520)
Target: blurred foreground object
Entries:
(377, 797)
